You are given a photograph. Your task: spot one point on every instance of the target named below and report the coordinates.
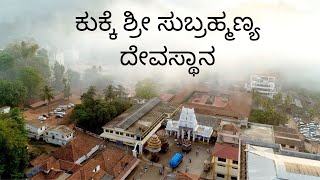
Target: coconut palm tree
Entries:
(121, 91)
(109, 93)
(47, 95)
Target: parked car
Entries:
(63, 113)
(42, 118)
(72, 105)
(69, 107)
(59, 116)
(58, 109)
(51, 113)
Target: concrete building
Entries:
(35, 129)
(225, 162)
(5, 109)
(288, 138)
(59, 135)
(228, 133)
(265, 85)
(187, 127)
(135, 126)
(269, 163)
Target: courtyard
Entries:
(191, 161)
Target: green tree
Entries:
(74, 78)
(58, 74)
(88, 98)
(32, 80)
(93, 112)
(277, 99)
(12, 93)
(287, 103)
(47, 95)
(66, 89)
(269, 116)
(26, 53)
(6, 63)
(121, 92)
(146, 89)
(13, 143)
(109, 93)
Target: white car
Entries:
(71, 104)
(42, 118)
(63, 113)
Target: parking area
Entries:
(192, 162)
(52, 120)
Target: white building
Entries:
(35, 129)
(265, 85)
(266, 163)
(187, 127)
(5, 109)
(59, 135)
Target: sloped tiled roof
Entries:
(76, 149)
(87, 171)
(225, 151)
(116, 161)
(40, 159)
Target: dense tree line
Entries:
(146, 89)
(94, 111)
(25, 63)
(12, 93)
(13, 145)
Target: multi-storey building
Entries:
(35, 129)
(225, 162)
(265, 85)
(59, 135)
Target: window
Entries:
(121, 133)
(221, 165)
(283, 145)
(106, 130)
(111, 131)
(234, 162)
(220, 175)
(117, 132)
(234, 168)
(222, 159)
(62, 136)
(128, 135)
(233, 178)
(132, 135)
(292, 147)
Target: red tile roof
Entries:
(220, 101)
(225, 151)
(40, 159)
(77, 148)
(56, 168)
(89, 171)
(166, 97)
(186, 176)
(116, 162)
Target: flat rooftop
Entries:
(146, 120)
(256, 132)
(36, 123)
(264, 163)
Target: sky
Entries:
(288, 37)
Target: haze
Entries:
(288, 42)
